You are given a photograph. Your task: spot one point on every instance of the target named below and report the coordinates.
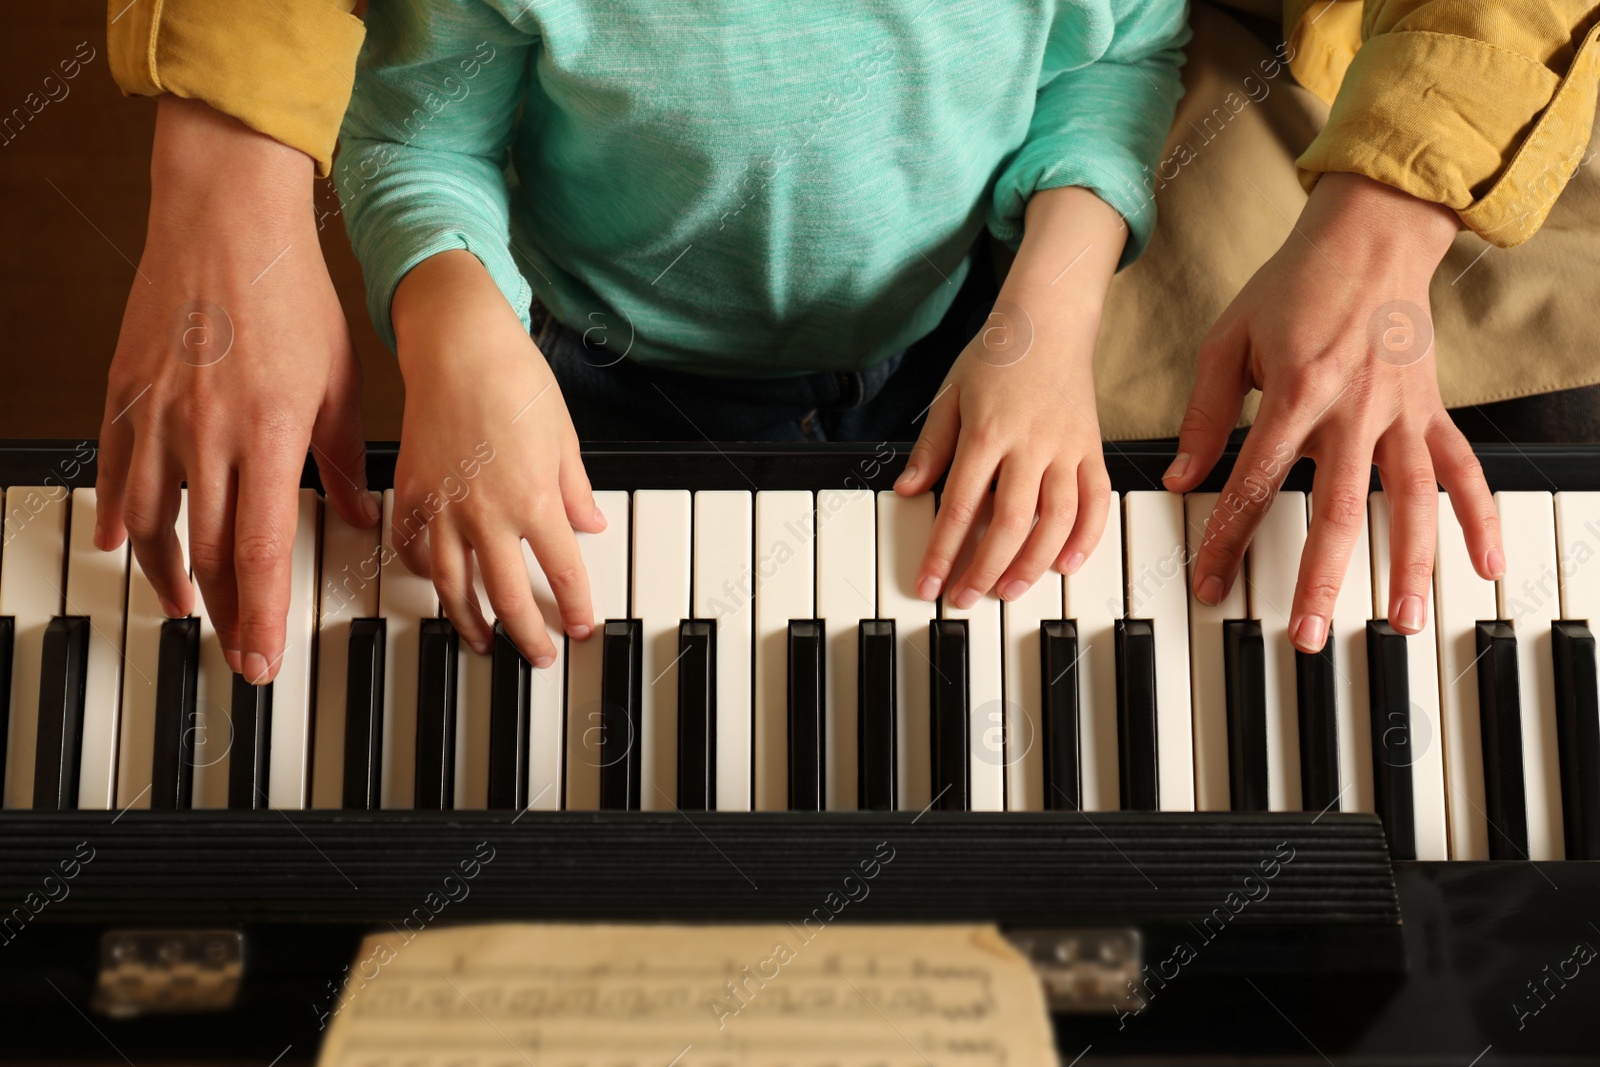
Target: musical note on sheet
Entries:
(531, 995)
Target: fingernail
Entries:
(1013, 589)
(369, 508)
(481, 647)
(928, 588)
(906, 475)
(543, 662)
(234, 658)
(965, 598)
(1410, 613)
(255, 668)
(171, 609)
(599, 517)
(1074, 561)
(1210, 591)
(1497, 563)
(579, 632)
(1180, 466)
(1310, 632)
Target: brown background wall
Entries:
(65, 251)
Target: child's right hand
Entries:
(473, 376)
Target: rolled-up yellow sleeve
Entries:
(1486, 108)
(283, 67)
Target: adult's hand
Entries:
(234, 356)
(1335, 331)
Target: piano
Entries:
(1209, 844)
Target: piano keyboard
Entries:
(759, 647)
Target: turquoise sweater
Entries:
(743, 188)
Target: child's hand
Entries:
(1017, 411)
(474, 378)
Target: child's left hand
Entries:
(1017, 412)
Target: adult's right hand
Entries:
(234, 356)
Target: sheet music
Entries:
(532, 995)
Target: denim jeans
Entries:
(615, 399)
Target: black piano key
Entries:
(621, 670)
(8, 629)
(363, 715)
(947, 673)
(697, 717)
(510, 691)
(1393, 746)
(62, 678)
(1578, 732)
(1245, 679)
(437, 657)
(177, 683)
(1058, 659)
(249, 756)
(1316, 680)
(1500, 720)
(1136, 714)
(807, 788)
(876, 773)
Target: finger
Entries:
(212, 491)
(1016, 501)
(1408, 481)
(970, 475)
(505, 579)
(1338, 517)
(1219, 390)
(263, 545)
(408, 536)
(111, 477)
(1094, 504)
(1462, 477)
(556, 549)
(150, 516)
(451, 564)
(577, 495)
(935, 445)
(340, 447)
(1257, 474)
(1058, 507)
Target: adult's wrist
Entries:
(1353, 213)
(203, 159)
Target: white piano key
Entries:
(547, 695)
(847, 589)
(785, 590)
(404, 600)
(213, 715)
(985, 681)
(1578, 534)
(1094, 599)
(1024, 696)
(474, 682)
(1463, 600)
(1348, 631)
(97, 584)
(348, 590)
(141, 649)
(1208, 681)
(1153, 532)
(904, 526)
(1422, 663)
(662, 524)
(605, 558)
(289, 766)
(31, 568)
(1529, 597)
(1273, 564)
(724, 590)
